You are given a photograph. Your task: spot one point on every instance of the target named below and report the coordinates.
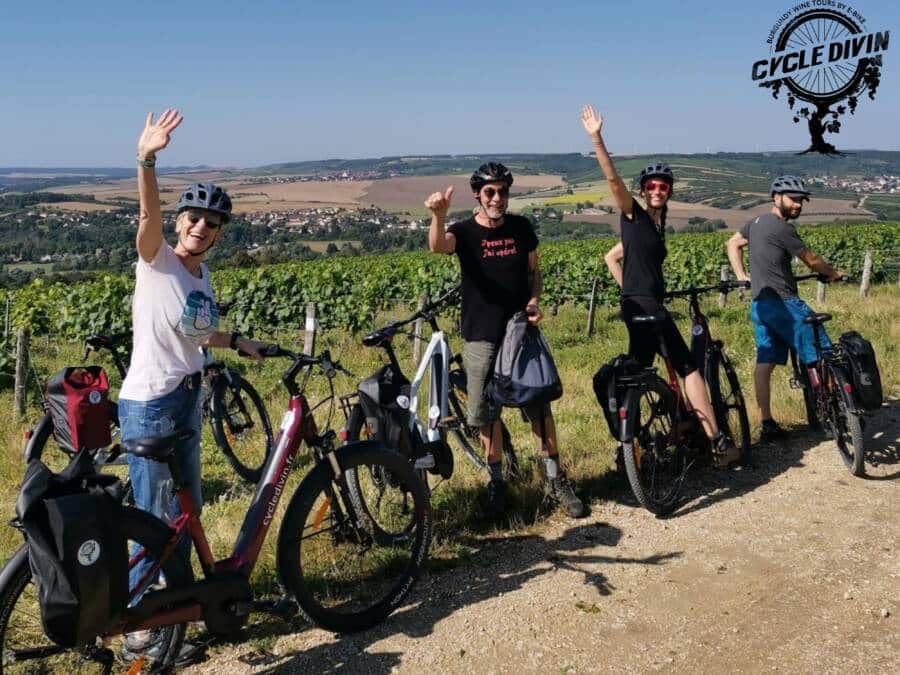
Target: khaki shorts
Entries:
(478, 361)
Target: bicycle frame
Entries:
(232, 574)
(436, 362)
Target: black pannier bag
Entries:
(524, 371)
(608, 389)
(76, 549)
(79, 407)
(384, 398)
(864, 370)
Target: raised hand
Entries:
(156, 135)
(592, 121)
(439, 202)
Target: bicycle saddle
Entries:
(817, 318)
(650, 318)
(159, 448)
(380, 337)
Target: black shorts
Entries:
(643, 340)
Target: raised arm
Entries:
(621, 195)
(613, 260)
(154, 138)
(735, 248)
(439, 240)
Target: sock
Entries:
(551, 466)
(496, 470)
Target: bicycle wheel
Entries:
(467, 437)
(845, 425)
(728, 401)
(375, 491)
(25, 648)
(240, 425)
(654, 462)
(343, 578)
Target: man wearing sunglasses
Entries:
(497, 253)
(174, 315)
(776, 311)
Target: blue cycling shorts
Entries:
(778, 325)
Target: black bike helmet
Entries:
(658, 170)
(492, 172)
(790, 184)
(205, 196)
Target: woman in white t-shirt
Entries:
(174, 315)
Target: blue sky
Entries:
(263, 82)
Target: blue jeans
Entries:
(778, 326)
(151, 480)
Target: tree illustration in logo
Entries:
(831, 91)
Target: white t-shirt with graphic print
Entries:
(173, 313)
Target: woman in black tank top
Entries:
(636, 265)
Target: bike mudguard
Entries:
(631, 407)
(845, 381)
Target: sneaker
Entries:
(560, 490)
(771, 431)
(148, 643)
(725, 452)
(496, 499)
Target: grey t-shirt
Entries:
(773, 243)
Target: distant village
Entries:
(877, 184)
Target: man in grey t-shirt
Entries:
(776, 311)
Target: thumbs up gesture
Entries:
(439, 202)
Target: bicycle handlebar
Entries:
(329, 367)
(721, 287)
(821, 277)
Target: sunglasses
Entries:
(489, 192)
(653, 185)
(195, 217)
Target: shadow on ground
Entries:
(499, 565)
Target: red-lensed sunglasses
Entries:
(662, 186)
(489, 192)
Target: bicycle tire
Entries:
(243, 432)
(20, 614)
(846, 427)
(728, 401)
(358, 476)
(654, 464)
(458, 399)
(315, 560)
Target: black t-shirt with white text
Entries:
(494, 270)
(644, 248)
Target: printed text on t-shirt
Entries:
(498, 248)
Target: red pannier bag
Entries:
(78, 403)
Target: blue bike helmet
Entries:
(205, 196)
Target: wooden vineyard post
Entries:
(723, 277)
(417, 331)
(866, 276)
(309, 337)
(820, 292)
(592, 308)
(21, 385)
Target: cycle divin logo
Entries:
(823, 55)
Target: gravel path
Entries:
(792, 567)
